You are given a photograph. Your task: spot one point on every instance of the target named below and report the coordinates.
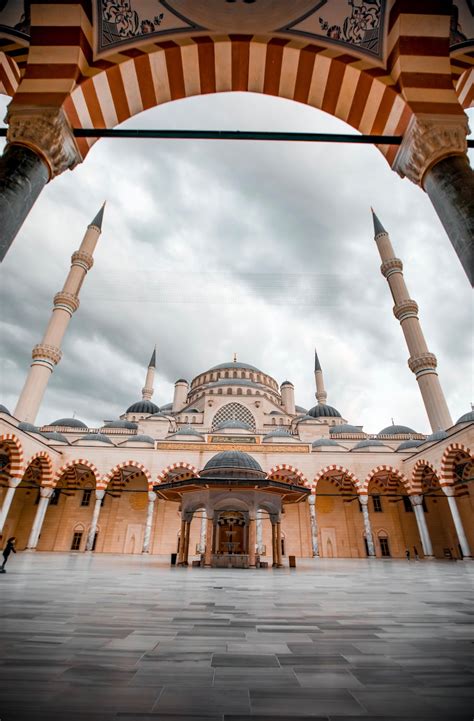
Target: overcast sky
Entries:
(215, 247)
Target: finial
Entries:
(317, 364)
(235, 357)
(152, 363)
(393, 422)
(98, 218)
(378, 227)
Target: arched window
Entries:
(249, 392)
(234, 374)
(234, 412)
(384, 544)
(226, 374)
(229, 391)
(219, 391)
(239, 391)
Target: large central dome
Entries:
(235, 364)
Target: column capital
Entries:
(187, 516)
(46, 491)
(66, 301)
(416, 500)
(14, 482)
(422, 364)
(46, 131)
(99, 494)
(449, 491)
(405, 309)
(390, 266)
(152, 496)
(364, 499)
(427, 140)
(46, 355)
(82, 259)
(274, 518)
(311, 499)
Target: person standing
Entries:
(6, 552)
(407, 554)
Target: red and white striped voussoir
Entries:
(340, 469)
(9, 75)
(175, 466)
(128, 464)
(78, 462)
(417, 474)
(46, 467)
(384, 468)
(16, 454)
(447, 461)
(291, 469)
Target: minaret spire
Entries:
(148, 390)
(421, 362)
(321, 395)
(47, 354)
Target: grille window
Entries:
(233, 412)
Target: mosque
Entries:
(231, 473)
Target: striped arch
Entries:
(418, 472)
(391, 471)
(331, 470)
(174, 469)
(331, 80)
(46, 467)
(79, 462)
(448, 461)
(130, 464)
(15, 449)
(465, 88)
(284, 468)
(9, 75)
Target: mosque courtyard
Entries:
(102, 637)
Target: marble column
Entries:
(209, 537)
(259, 523)
(313, 523)
(417, 503)
(450, 494)
(274, 543)
(278, 545)
(252, 541)
(364, 502)
(13, 483)
(203, 533)
(45, 495)
(99, 496)
(149, 521)
(182, 541)
(186, 544)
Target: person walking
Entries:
(6, 552)
(415, 553)
(407, 554)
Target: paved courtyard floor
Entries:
(128, 638)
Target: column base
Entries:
(428, 558)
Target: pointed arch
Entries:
(79, 462)
(418, 474)
(46, 467)
(391, 471)
(15, 449)
(130, 464)
(448, 461)
(283, 468)
(174, 469)
(333, 469)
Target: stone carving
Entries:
(48, 353)
(393, 265)
(67, 301)
(426, 141)
(422, 363)
(406, 309)
(82, 259)
(48, 133)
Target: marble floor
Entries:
(127, 638)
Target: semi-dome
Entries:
(233, 365)
(278, 433)
(140, 439)
(4, 409)
(28, 427)
(466, 418)
(96, 438)
(322, 442)
(394, 430)
(408, 444)
(69, 423)
(143, 407)
(300, 409)
(127, 425)
(321, 410)
(167, 407)
(369, 443)
(345, 428)
(54, 436)
(303, 419)
(232, 464)
(437, 436)
(186, 431)
(233, 424)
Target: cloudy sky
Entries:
(214, 247)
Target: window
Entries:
(407, 504)
(384, 547)
(54, 500)
(377, 501)
(76, 541)
(86, 496)
(233, 411)
(229, 391)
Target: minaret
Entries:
(321, 395)
(147, 390)
(421, 362)
(47, 354)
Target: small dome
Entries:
(96, 438)
(140, 439)
(408, 444)
(286, 383)
(28, 427)
(300, 409)
(437, 436)
(167, 407)
(233, 424)
(128, 425)
(303, 419)
(187, 431)
(69, 423)
(396, 431)
(345, 428)
(321, 442)
(369, 443)
(278, 433)
(277, 413)
(159, 415)
(180, 380)
(322, 410)
(54, 436)
(466, 418)
(190, 410)
(143, 407)
(232, 463)
(4, 409)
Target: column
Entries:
(149, 521)
(274, 541)
(99, 496)
(259, 524)
(40, 146)
(278, 545)
(203, 533)
(186, 544)
(364, 502)
(45, 495)
(314, 524)
(417, 503)
(182, 541)
(433, 155)
(252, 541)
(13, 483)
(209, 536)
(450, 494)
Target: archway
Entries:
(457, 471)
(339, 514)
(22, 512)
(124, 513)
(294, 517)
(437, 513)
